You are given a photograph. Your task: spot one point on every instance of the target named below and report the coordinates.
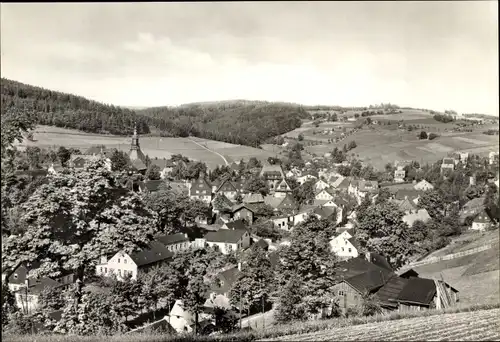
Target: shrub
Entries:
(433, 136)
(423, 135)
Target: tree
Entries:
(119, 161)
(8, 304)
(15, 122)
(256, 185)
(254, 283)
(352, 145)
(75, 219)
(52, 156)
(433, 202)
(423, 135)
(364, 205)
(433, 136)
(153, 172)
(238, 198)
(383, 196)
(300, 137)
(305, 193)
(64, 155)
(253, 163)
(33, 154)
(125, 295)
(381, 230)
(291, 307)
(169, 208)
(51, 299)
(309, 258)
(491, 202)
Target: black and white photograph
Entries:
(250, 171)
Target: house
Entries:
(472, 208)
(416, 215)
(166, 166)
(288, 204)
(366, 188)
(399, 175)
(493, 158)
(228, 189)
(224, 281)
(283, 222)
(243, 212)
(448, 164)
(306, 177)
(228, 240)
(253, 199)
(320, 185)
(423, 185)
(344, 246)
(482, 221)
(183, 321)
(272, 201)
(175, 242)
(360, 277)
(124, 264)
(261, 243)
(27, 300)
(324, 195)
(272, 174)
(406, 206)
(78, 161)
(282, 189)
(201, 190)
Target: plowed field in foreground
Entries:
(466, 326)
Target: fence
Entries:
(449, 256)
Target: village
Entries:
(258, 207)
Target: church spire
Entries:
(135, 139)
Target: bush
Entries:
(443, 118)
(300, 137)
(433, 136)
(423, 135)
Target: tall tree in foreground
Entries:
(76, 218)
(381, 230)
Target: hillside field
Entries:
(160, 147)
(466, 326)
(379, 144)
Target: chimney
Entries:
(239, 266)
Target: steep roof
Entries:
(97, 149)
(262, 243)
(155, 252)
(388, 293)
(354, 266)
(228, 276)
(272, 201)
(324, 212)
(225, 235)
(379, 260)
(368, 186)
(369, 281)
(418, 291)
(344, 184)
(448, 161)
(139, 164)
(153, 185)
(238, 207)
(406, 205)
(172, 239)
(226, 185)
(238, 224)
(288, 203)
(354, 242)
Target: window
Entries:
(118, 260)
(341, 293)
(105, 270)
(100, 269)
(197, 191)
(349, 250)
(119, 272)
(15, 276)
(342, 249)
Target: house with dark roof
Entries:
(423, 185)
(236, 224)
(359, 278)
(224, 281)
(243, 212)
(201, 189)
(409, 292)
(323, 195)
(174, 242)
(227, 188)
(409, 194)
(124, 264)
(345, 246)
(288, 204)
(482, 221)
(221, 205)
(228, 240)
(448, 164)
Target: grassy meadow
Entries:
(160, 147)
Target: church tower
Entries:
(135, 154)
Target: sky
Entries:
(435, 55)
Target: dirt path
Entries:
(206, 148)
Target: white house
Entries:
(123, 264)
(481, 222)
(423, 185)
(448, 164)
(399, 174)
(200, 189)
(344, 247)
(493, 157)
(417, 214)
(183, 321)
(283, 222)
(281, 189)
(321, 184)
(228, 240)
(324, 195)
(304, 178)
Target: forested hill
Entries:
(54, 108)
(238, 122)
